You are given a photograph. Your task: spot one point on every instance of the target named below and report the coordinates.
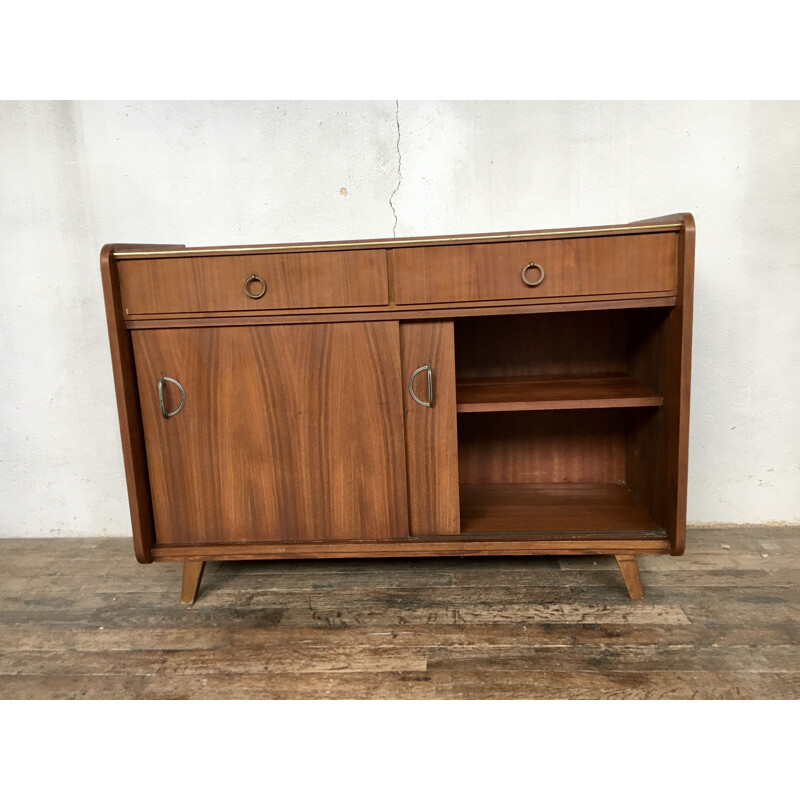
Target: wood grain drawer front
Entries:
(289, 280)
(628, 264)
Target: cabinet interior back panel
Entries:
(567, 343)
(542, 447)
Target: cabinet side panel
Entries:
(680, 371)
(130, 423)
(431, 433)
(648, 433)
(660, 356)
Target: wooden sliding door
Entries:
(429, 397)
(274, 432)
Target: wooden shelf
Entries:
(615, 390)
(553, 507)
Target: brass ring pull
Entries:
(164, 413)
(541, 274)
(414, 374)
(254, 279)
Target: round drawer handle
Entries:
(254, 279)
(538, 280)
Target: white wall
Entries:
(76, 175)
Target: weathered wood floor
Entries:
(79, 618)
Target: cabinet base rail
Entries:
(650, 543)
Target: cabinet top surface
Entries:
(673, 222)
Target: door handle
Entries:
(414, 374)
(167, 414)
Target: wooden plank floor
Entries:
(79, 618)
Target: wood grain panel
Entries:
(288, 433)
(291, 280)
(431, 436)
(527, 345)
(573, 267)
(542, 447)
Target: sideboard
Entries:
(491, 394)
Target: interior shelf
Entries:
(581, 456)
(557, 507)
(610, 390)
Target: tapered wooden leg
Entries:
(192, 572)
(630, 574)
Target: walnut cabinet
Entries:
(510, 393)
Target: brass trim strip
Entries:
(380, 243)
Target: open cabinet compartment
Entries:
(561, 423)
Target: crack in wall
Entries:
(399, 167)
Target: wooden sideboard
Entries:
(491, 394)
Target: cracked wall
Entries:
(76, 175)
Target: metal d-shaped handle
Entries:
(167, 414)
(430, 385)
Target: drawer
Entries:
(569, 267)
(288, 280)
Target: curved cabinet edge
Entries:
(131, 432)
(679, 460)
